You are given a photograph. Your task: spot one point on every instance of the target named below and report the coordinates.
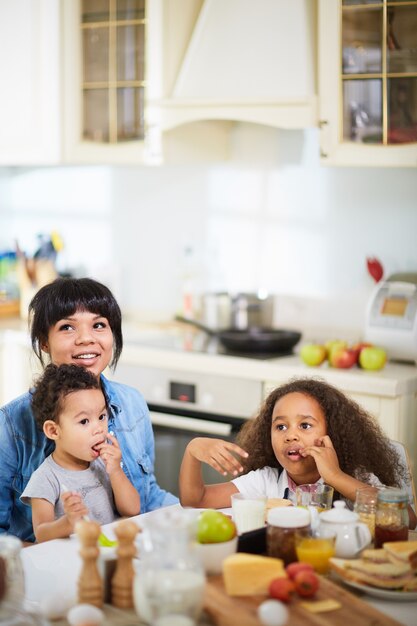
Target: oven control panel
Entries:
(210, 393)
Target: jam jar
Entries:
(282, 525)
(391, 517)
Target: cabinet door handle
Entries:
(324, 138)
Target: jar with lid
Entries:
(391, 517)
(282, 526)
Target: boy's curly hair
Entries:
(56, 382)
(361, 446)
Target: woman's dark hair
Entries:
(62, 298)
(56, 382)
(361, 446)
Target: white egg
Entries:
(273, 613)
(85, 613)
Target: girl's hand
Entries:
(325, 457)
(74, 507)
(219, 454)
(111, 454)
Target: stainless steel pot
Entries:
(239, 311)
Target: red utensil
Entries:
(375, 268)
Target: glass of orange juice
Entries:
(316, 548)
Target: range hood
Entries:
(241, 61)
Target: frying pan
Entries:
(252, 340)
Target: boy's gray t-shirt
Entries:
(93, 484)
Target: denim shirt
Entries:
(23, 447)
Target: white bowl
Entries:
(212, 555)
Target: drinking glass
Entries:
(317, 495)
(365, 506)
(316, 548)
(248, 513)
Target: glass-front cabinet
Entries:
(368, 82)
(105, 81)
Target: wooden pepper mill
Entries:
(122, 581)
(90, 583)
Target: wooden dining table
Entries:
(55, 565)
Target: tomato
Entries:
(306, 583)
(281, 589)
(298, 566)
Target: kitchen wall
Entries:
(269, 218)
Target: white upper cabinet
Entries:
(368, 82)
(234, 60)
(30, 128)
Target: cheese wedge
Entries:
(250, 574)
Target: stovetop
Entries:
(179, 340)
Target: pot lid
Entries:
(339, 514)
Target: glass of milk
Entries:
(248, 513)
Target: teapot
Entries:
(351, 535)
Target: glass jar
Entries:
(170, 580)
(283, 524)
(365, 506)
(391, 517)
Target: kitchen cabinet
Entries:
(368, 82)
(29, 69)
(112, 68)
(236, 60)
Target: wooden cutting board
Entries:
(227, 610)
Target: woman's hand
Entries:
(74, 507)
(223, 456)
(111, 454)
(325, 457)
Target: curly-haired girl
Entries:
(306, 431)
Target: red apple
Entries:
(372, 358)
(343, 358)
(313, 354)
(334, 344)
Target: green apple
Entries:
(214, 527)
(313, 354)
(372, 358)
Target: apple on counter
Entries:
(341, 355)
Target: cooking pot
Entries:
(256, 340)
(240, 311)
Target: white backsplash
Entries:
(272, 217)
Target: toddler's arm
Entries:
(46, 527)
(126, 497)
(223, 456)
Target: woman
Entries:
(75, 321)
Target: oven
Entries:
(184, 405)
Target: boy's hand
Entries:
(219, 454)
(111, 454)
(74, 507)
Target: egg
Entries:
(273, 613)
(85, 613)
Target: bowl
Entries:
(212, 555)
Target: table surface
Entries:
(52, 558)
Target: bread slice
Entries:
(402, 552)
(271, 503)
(375, 555)
(381, 575)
